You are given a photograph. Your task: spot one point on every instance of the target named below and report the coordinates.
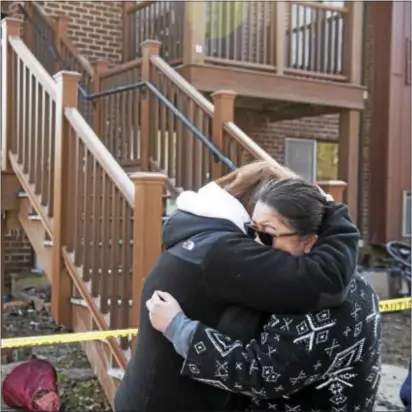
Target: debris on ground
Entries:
(78, 386)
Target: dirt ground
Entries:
(81, 391)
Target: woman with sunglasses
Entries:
(325, 360)
(213, 268)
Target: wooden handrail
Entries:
(248, 144)
(183, 84)
(101, 154)
(321, 6)
(83, 61)
(120, 68)
(24, 53)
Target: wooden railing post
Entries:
(99, 66)
(281, 8)
(127, 31)
(9, 27)
(66, 96)
(147, 232)
(352, 45)
(224, 101)
(335, 188)
(28, 30)
(194, 32)
(61, 25)
(149, 48)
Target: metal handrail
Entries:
(217, 154)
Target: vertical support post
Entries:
(352, 46)
(67, 83)
(99, 66)
(280, 34)
(9, 27)
(127, 31)
(224, 102)
(147, 232)
(28, 30)
(194, 32)
(349, 124)
(149, 49)
(61, 25)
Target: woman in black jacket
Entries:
(211, 266)
(326, 360)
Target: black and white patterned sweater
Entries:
(322, 361)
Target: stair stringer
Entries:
(35, 231)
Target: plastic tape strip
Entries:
(392, 305)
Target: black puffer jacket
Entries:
(209, 266)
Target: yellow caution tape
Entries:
(395, 305)
(392, 305)
(65, 338)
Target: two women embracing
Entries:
(255, 304)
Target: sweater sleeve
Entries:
(283, 360)
(241, 272)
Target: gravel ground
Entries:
(81, 391)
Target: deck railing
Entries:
(299, 38)
(105, 226)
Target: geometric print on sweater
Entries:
(322, 361)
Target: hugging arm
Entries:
(274, 281)
(276, 364)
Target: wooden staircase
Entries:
(70, 173)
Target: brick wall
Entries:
(18, 255)
(95, 27)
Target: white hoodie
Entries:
(214, 202)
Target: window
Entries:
(327, 161)
(300, 156)
(406, 214)
(312, 160)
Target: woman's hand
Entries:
(162, 308)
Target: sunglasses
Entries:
(264, 237)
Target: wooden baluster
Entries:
(67, 83)
(224, 101)
(61, 26)
(149, 49)
(280, 36)
(194, 32)
(9, 27)
(147, 232)
(99, 66)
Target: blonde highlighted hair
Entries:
(245, 182)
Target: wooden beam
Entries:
(271, 86)
(224, 102)
(67, 83)
(349, 124)
(194, 32)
